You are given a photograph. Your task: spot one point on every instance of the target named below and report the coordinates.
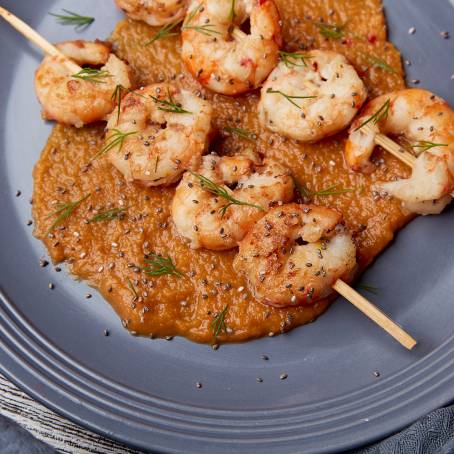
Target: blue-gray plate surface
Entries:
(143, 392)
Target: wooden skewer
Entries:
(37, 39)
(375, 314)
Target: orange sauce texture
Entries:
(109, 254)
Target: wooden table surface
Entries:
(51, 428)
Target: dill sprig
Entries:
(64, 211)
(116, 139)
(131, 287)
(379, 63)
(164, 32)
(378, 116)
(205, 29)
(221, 191)
(243, 133)
(423, 145)
(156, 164)
(117, 96)
(218, 324)
(293, 58)
(331, 190)
(169, 105)
(96, 76)
(288, 97)
(75, 19)
(232, 11)
(158, 265)
(369, 288)
(108, 215)
(302, 189)
(333, 31)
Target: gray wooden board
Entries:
(51, 428)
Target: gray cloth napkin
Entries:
(433, 434)
(15, 440)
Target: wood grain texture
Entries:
(51, 428)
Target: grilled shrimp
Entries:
(207, 219)
(154, 12)
(219, 54)
(295, 253)
(427, 122)
(163, 131)
(75, 101)
(311, 95)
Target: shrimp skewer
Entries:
(84, 97)
(201, 210)
(422, 118)
(297, 254)
(65, 96)
(167, 132)
(222, 57)
(310, 96)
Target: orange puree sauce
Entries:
(110, 254)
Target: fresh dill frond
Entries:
(71, 18)
(302, 189)
(218, 325)
(108, 215)
(378, 116)
(308, 195)
(164, 32)
(116, 139)
(94, 75)
(333, 31)
(379, 63)
(117, 96)
(169, 105)
(243, 133)
(158, 265)
(221, 191)
(288, 97)
(332, 190)
(369, 288)
(232, 11)
(205, 29)
(293, 58)
(64, 211)
(156, 164)
(423, 145)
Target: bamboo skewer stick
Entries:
(341, 287)
(36, 38)
(374, 314)
(395, 149)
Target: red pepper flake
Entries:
(371, 38)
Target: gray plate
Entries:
(143, 392)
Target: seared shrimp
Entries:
(75, 101)
(311, 95)
(154, 12)
(295, 253)
(208, 220)
(427, 122)
(219, 54)
(163, 131)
